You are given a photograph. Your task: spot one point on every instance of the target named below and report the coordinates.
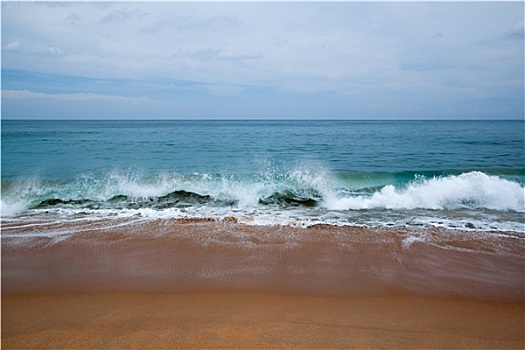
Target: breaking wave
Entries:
(469, 190)
(299, 193)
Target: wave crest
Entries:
(469, 190)
(304, 188)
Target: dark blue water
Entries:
(326, 170)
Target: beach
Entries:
(252, 175)
(125, 283)
(256, 320)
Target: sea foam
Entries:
(300, 196)
(468, 190)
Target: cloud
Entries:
(221, 89)
(38, 105)
(31, 95)
(215, 43)
(436, 52)
(118, 16)
(221, 54)
(13, 46)
(516, 32)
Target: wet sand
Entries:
(199, 284)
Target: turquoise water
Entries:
(66, 149)
(440, 173)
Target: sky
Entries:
(262, 60)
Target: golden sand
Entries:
(256, 320)
(171, 284)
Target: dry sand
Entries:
(169, 284)
(256, 320)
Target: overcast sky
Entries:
(351, 60)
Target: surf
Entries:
(469, 190)
(299, 187)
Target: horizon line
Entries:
(256, 119)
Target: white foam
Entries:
(11, 209)
(422, 202)
(408, 241)
(469, 190)
(46, 234)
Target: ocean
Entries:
(467, 175)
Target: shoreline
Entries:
(208, 284)
(201, 255)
